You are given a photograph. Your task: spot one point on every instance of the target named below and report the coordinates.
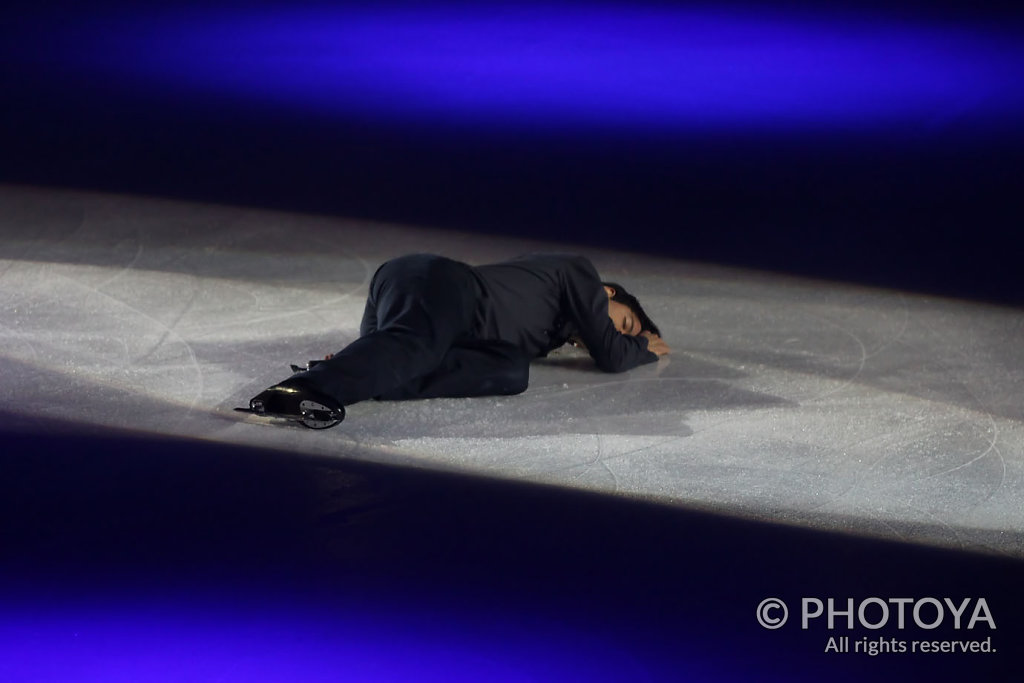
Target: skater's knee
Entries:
(507, 368)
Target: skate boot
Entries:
(293, 400)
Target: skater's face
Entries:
(623, 317)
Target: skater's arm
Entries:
(587, 305)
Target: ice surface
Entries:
(793, 401)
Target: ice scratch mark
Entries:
(598, 459)
(990, 449)
(861, 362)
(130, 266)
(31, 250)
(291, 313)
(981, 408)
(904, 324)
(193, 361)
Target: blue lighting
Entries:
(564, 67)
(151, 640)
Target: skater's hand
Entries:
(329, 356)
(656, 344)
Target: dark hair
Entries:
(624, 297)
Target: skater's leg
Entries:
(473, 368)
(419, 306)
(369, 322)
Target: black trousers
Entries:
(416, 340)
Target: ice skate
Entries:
(292, 400)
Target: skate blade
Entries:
(318, 416)
(314, 415)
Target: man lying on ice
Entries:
(434, 327)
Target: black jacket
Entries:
(538, 302)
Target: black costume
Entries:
(434, 327)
